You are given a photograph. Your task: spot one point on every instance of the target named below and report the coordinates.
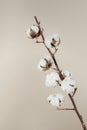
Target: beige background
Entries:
(23, 104)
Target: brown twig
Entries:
(65, 109)
(61, 76)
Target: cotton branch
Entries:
(61, 77)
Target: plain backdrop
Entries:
(23, 95)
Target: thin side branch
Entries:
(39, 41)
(74, 92)
(65, 109)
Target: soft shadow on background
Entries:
(23, 104)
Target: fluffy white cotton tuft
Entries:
(68, 85)
(66, 73)
(56, 99)
(45, 63)
(52, 41)
(52, 79)
(33, 32)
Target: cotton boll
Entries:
(42, 65)
(52, 41)
(56, 39)
(35, 28)
(52, 79)
(45, 63)
(56, 99)
(66, 73)
(33, 32)
(68, 85)
(69, 81)
(68, 89)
